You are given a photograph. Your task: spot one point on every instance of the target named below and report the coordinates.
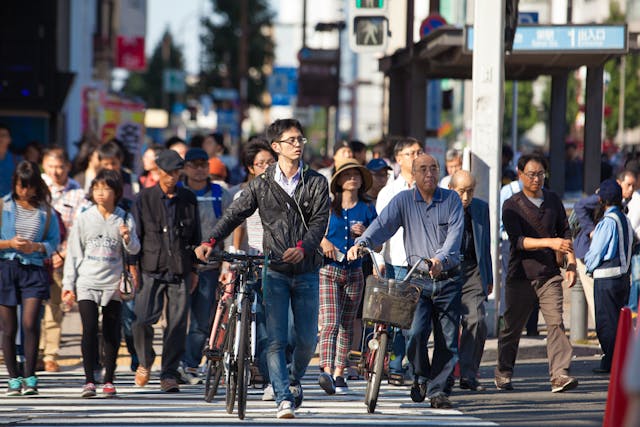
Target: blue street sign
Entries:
(566, 38)
(283, 85)
(528, 17)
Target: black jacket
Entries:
(282, 223)
(167, 246)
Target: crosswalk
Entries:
(59, 403)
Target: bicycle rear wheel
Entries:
(229, 355)
(243, 357)
(375, 376)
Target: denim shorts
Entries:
(21, 281)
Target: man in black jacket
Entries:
(168, 224)
(294, 209)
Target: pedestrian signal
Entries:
(368, 26)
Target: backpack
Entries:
(216, 197)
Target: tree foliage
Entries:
(220, 41)
(148, 84)
(527, 112)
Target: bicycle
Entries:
(214, 350)
(386, 303)
(239, 347)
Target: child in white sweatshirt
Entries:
(92, 272)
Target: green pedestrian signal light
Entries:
(370, 4)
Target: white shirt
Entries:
(633, 212)
(393, 251)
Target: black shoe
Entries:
(441, 402)
(601, 371)
(396, 379)
(471, 384)
(503, 383)
(327, 383)
(418, 391)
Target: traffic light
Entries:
(368, 25)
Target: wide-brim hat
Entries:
(347, 164)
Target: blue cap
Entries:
(376, 165)
(196, 154)
(610, 191)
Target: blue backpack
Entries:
(216, 197)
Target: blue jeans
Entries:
(398, 346)
(302, 292)
(635, 283)
(440, 306)
(202, 302)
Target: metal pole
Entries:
(337, 129)
(304, 23)
(242, 62)
(623, 83)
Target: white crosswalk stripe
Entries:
(59, 403)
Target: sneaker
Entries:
(109, 390)
(327, 384)
(169, 385)
(341, 385)
(441, 402)
(188, 376)
(503, 383)
(471, 384)
(14, 387)
(142, 376)
(396, 379)
(88, 390)
(563, 383)
(285, 410)
(298, 395)
(268, 395)
(30, 386)
(418, 391)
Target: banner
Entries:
(132, 19)
(109, 116)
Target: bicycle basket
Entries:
(395, 306)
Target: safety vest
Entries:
(215, 197)
(618, 266)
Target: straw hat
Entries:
(350, 164)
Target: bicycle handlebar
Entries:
(218, 256)
(363, 248)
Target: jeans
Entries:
(202, 302)
(398, 346)
(301, 291)
(439, 305)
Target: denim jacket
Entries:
(8, 232)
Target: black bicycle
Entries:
(240, 338)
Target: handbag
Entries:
(125, 287)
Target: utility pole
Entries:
(242, 63)
(304, 23)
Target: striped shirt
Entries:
(66, 199)
(27, 222)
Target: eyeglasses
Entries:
(412, 153)
(291, 141)
(533, 175)
(263, 163)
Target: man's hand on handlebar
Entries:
(203, 252)
(435, 268)
(356, 251)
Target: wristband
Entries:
(210, 243)
(299, 246)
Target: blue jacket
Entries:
(479, 211)
(8, 232)
(584, 209)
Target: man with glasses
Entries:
(536, 223)
(395, 259)
(212, 202)
(294, 208)
(433, 220)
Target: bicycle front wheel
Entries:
(243, 356)
(214, 374)
(375, 375)
(230, 358)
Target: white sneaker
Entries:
(189, 375)
(268, 395)
(285, 410)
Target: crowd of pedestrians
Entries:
(66, 240)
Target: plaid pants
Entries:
(340, 294)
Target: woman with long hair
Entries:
(28, 236)
(342, 281)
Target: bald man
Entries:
(477, 278)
